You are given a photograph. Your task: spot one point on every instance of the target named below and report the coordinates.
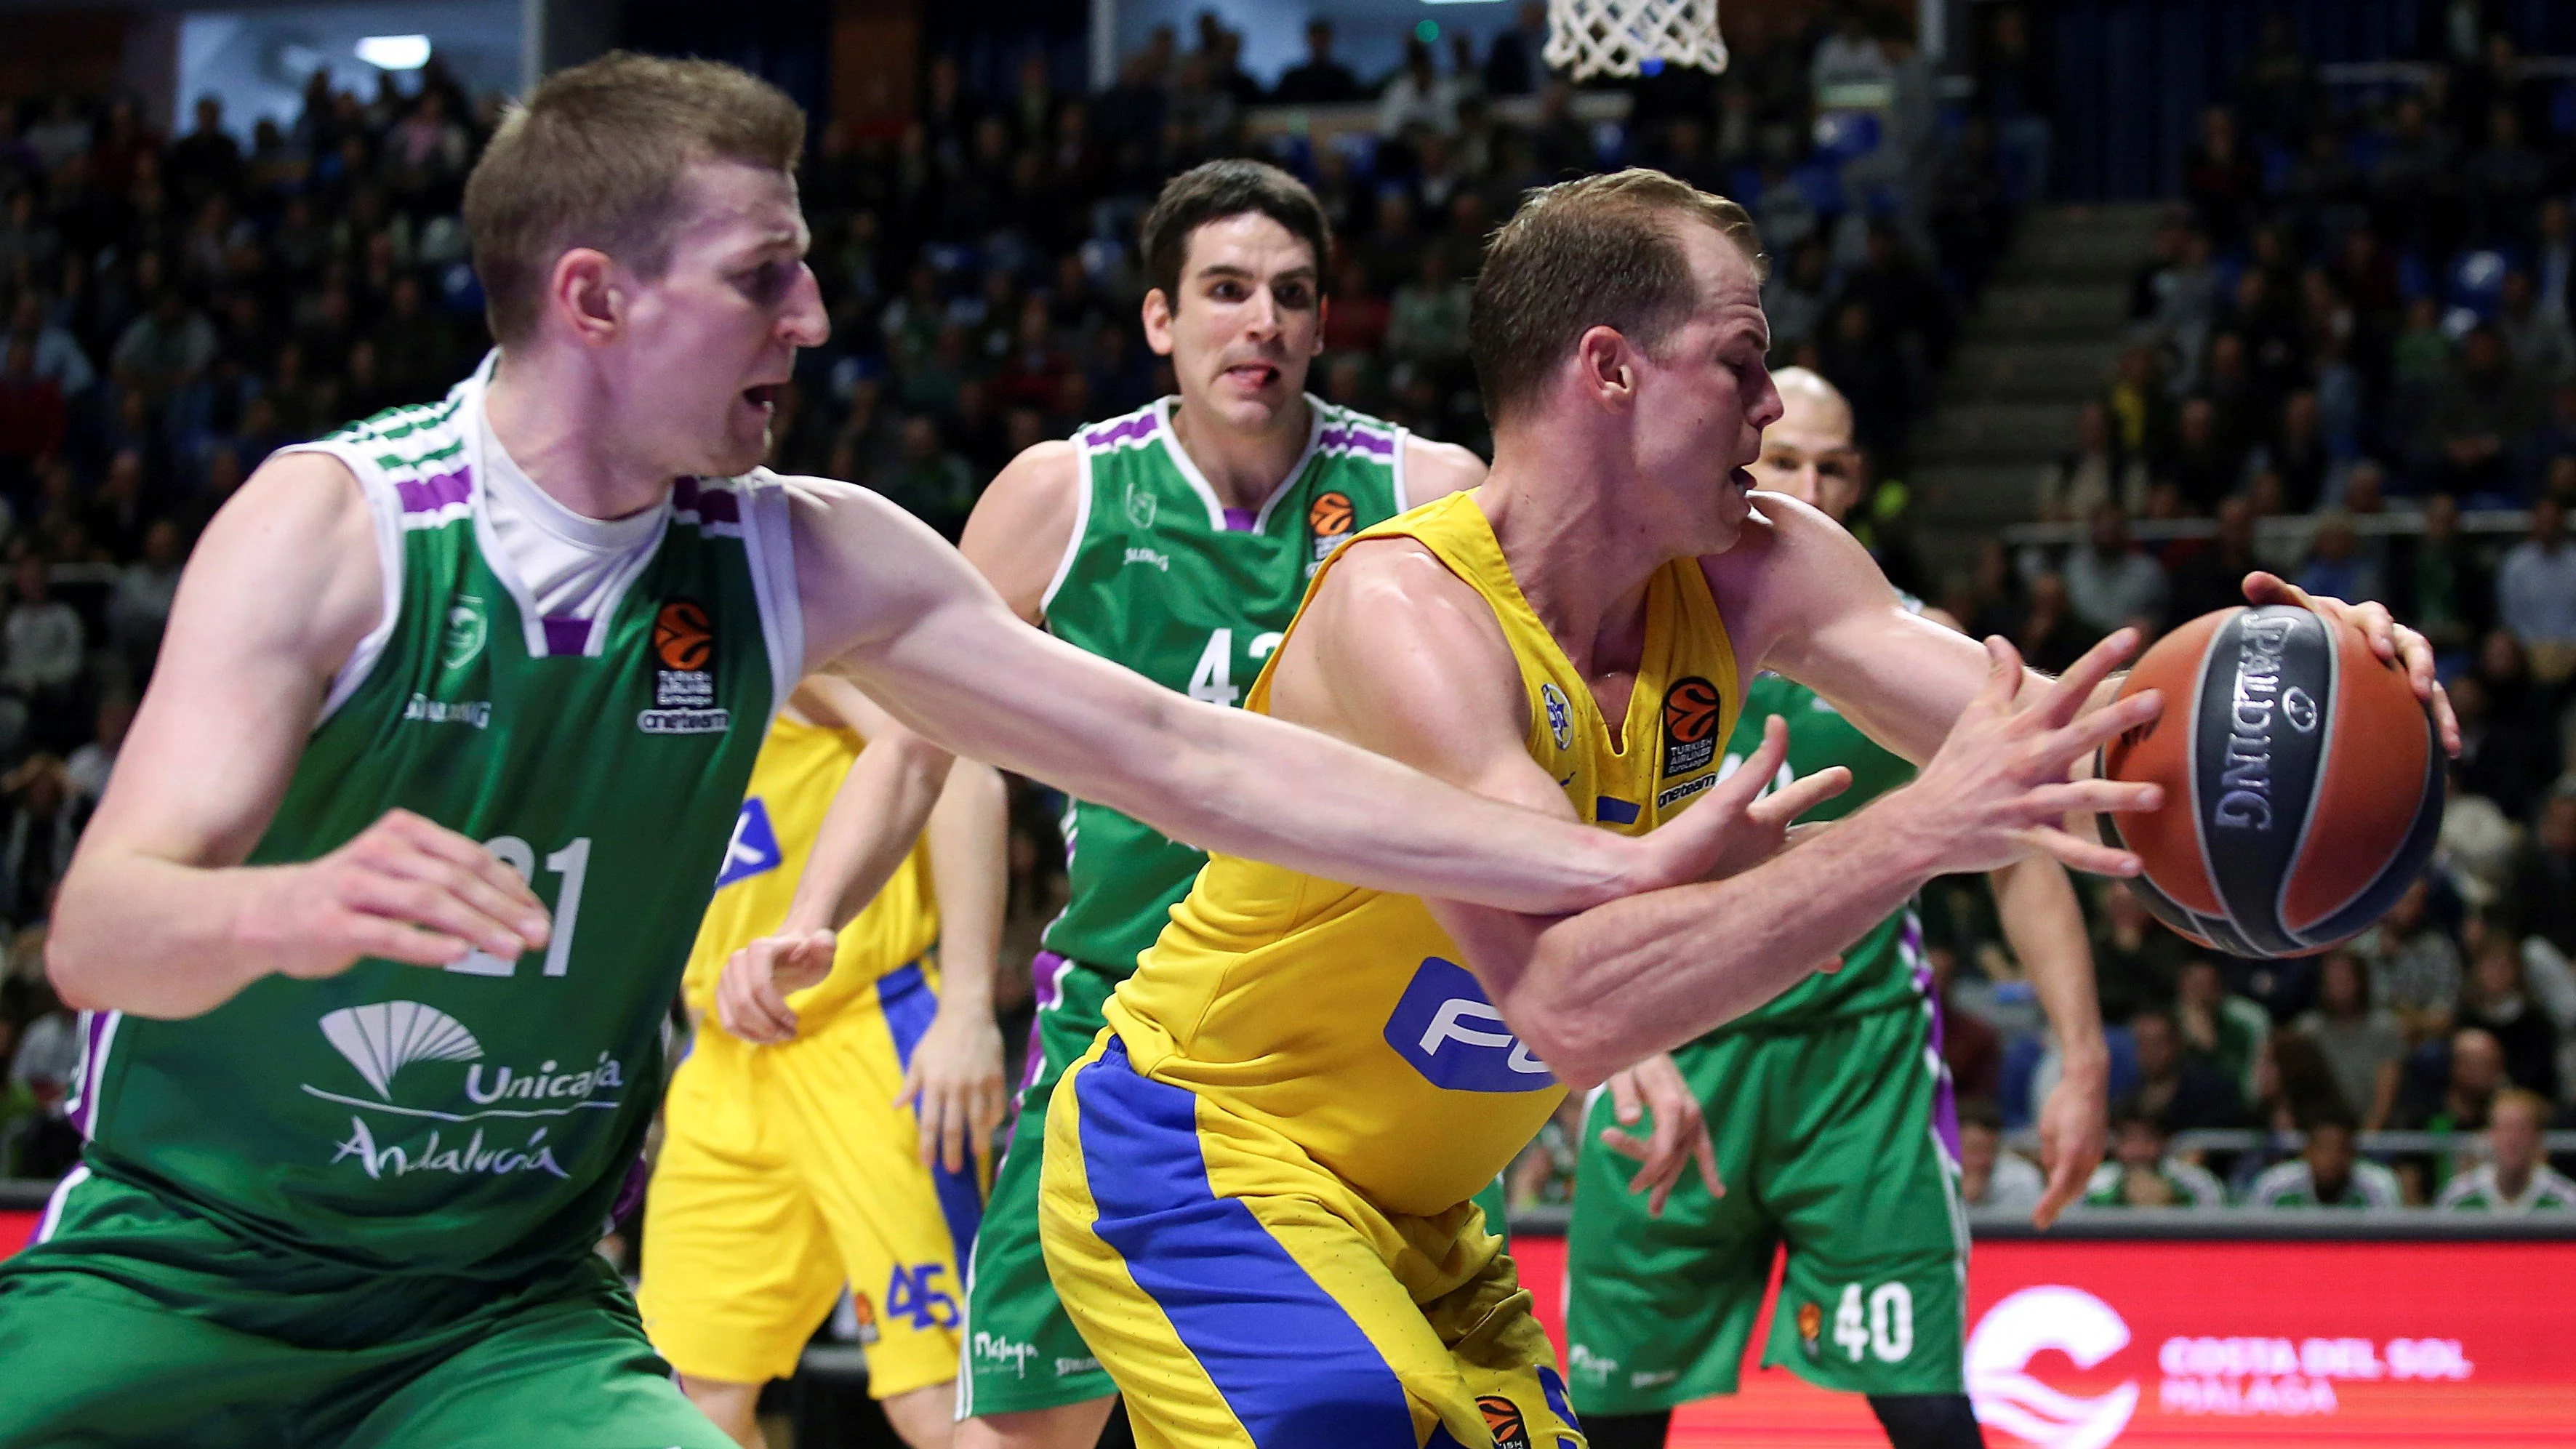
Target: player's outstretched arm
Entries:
(934, 644)
(157, 915)
(1594, 992)
(877, 813)
(2044, 924)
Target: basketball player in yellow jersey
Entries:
(793, 1161)
(1274, 1140)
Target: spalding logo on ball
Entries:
(2302, 778)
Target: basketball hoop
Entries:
(1618, 37)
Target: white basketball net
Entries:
(1616, 37)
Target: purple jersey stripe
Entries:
(1240, 520)
(567, 636)
(93, 1068)
(1139, 426)
(428, 495)
(1945, 1096)
(711, 505)
(1353, 438)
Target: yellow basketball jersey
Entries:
(792, 783)
(1343, 1018)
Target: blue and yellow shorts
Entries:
(1245, 1298)
(786, 1171)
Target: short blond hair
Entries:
(594, 159)
(1598, 251)
(2520, 1097)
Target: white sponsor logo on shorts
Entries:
(995, 1349)
(1649, 1380)
(1592, 1368)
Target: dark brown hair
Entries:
(1220, 189)
(594, 159)
(1600, 251)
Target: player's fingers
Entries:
(1738, 790)
(2262, 587)
(516, 911)
(2064, 1184)
(1829, 965)
(2378, 626)
(421, 904)
(1622, 1143)
(1704, 1152)
(2083, 855)
(2446, 721)
(2091, 797)
(434, 839)
(1623, 1097)
(2063, 746)
(953, 1131)
(1801, 795)
(2003, 677)
(2077, 684)
(911, 1092)
(364, 934)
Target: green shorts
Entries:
(1835, 1140)
(1021, 1351)
(137, 1322)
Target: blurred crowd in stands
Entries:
(2363, 308)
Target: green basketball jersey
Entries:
(1166, 580)
(1885, 967)
(478, 1120)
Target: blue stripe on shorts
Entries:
(909, 1006)
(1293, 1367)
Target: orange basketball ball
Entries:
(2302, 779)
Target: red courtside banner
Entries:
(2082, 1344)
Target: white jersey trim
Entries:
(769, 550)
(1081, 521)
(53, 1217)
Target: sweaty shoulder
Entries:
(1434, 469)
(1021, 527)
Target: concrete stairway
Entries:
(2041, 343)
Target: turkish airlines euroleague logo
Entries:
(684, 688)
(681, 636)
(2013, 1332)
(1328, 522)
(1692, 708)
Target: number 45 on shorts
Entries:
(1885, 1330)
(914, 1295)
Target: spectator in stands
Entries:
(2437, 583)
(2495, 1000)
(1990, 1177)
(85, 773)
(2335, 566)
(37, 834)
(1320, 80)
(2536, 591)
(2459, 1088)
(2482, 404)
(168, 346)
(2221, 177)
(2219, 1028)
(1427, 323)
(2362, 1044)
(2327, 1173)
(2542, 901)
(1417, 96)
(2143, 1173)
(2137, 961)
(58, 355)
(1544, 1172)
(41, 661)
(1795, 297)
(932, 483)
(2516, 1177)
(138, 607)
(2204, 467)
(33, 417)
(2048, 634)
(2542, 347)
(2091, 476)
(2181, 1088)
(2415, 966)
(2109, 583)
(1514, 63)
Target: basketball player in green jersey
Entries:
(1177, 541)
(1829, 1114)
(375, 929)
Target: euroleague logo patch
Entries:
(1692, 708)
(1503, 1419)
(684, 688)
(1328, 522)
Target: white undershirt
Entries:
(571, 566)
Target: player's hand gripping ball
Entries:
(2303, 782)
